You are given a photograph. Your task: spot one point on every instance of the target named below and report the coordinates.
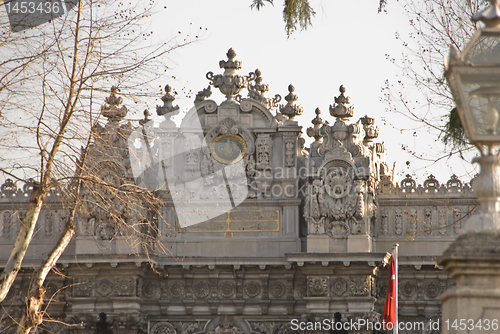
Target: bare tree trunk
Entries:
(23, 240)
(33, 315)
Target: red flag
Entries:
(390, 300)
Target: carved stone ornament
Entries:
(163, 328)
(290, 153)
(277, 289)
(317, 286)
(252, 289)
(337, 229)
(124, 286)
(358, 286)
(83, 287)
(227, 289)
(226, 326)
(338, 183)
(176, 290)
(409, 289)
(151, 289)
(339, 286)
(263, 146)
(104, 287)
(398, 224)
(201, 289)
(432, 289)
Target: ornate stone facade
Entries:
(300, 235)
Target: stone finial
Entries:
(291, 109)
(168, 109)
(230, 83)
(146, 119)
(316, 130)
(489, 16)
(111, 110)
(339, 109)
(230, 64)
(371, 130)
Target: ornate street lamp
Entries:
(474, 79)
(473, 259)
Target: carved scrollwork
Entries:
(431, 184)
(337, 229)
(408, 184)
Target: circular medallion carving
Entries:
(338, 183)
(432, 290)
(252, 289)
(227, 289)
(201, 289)
(339, 286)
(104, 287)
(409, 289)
(277, 289)
(151, 289)
(163, 328)
(176, 290)
(382, 290)
(228, 148)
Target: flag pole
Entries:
(396, 297)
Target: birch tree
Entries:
(52, 83)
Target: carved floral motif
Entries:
(227, 289)
(358, 286)
(124, 286)
(83, 287)
(409, 289)
(151, 289)
(432, 289)
(339, 286)
(317, 286)
(201, 289)
(163, 328)
(277, 289)
(104, 287)
(252, 289)
(176, 290)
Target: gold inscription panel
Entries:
(239, 221)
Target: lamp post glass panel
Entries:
(474, 79)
